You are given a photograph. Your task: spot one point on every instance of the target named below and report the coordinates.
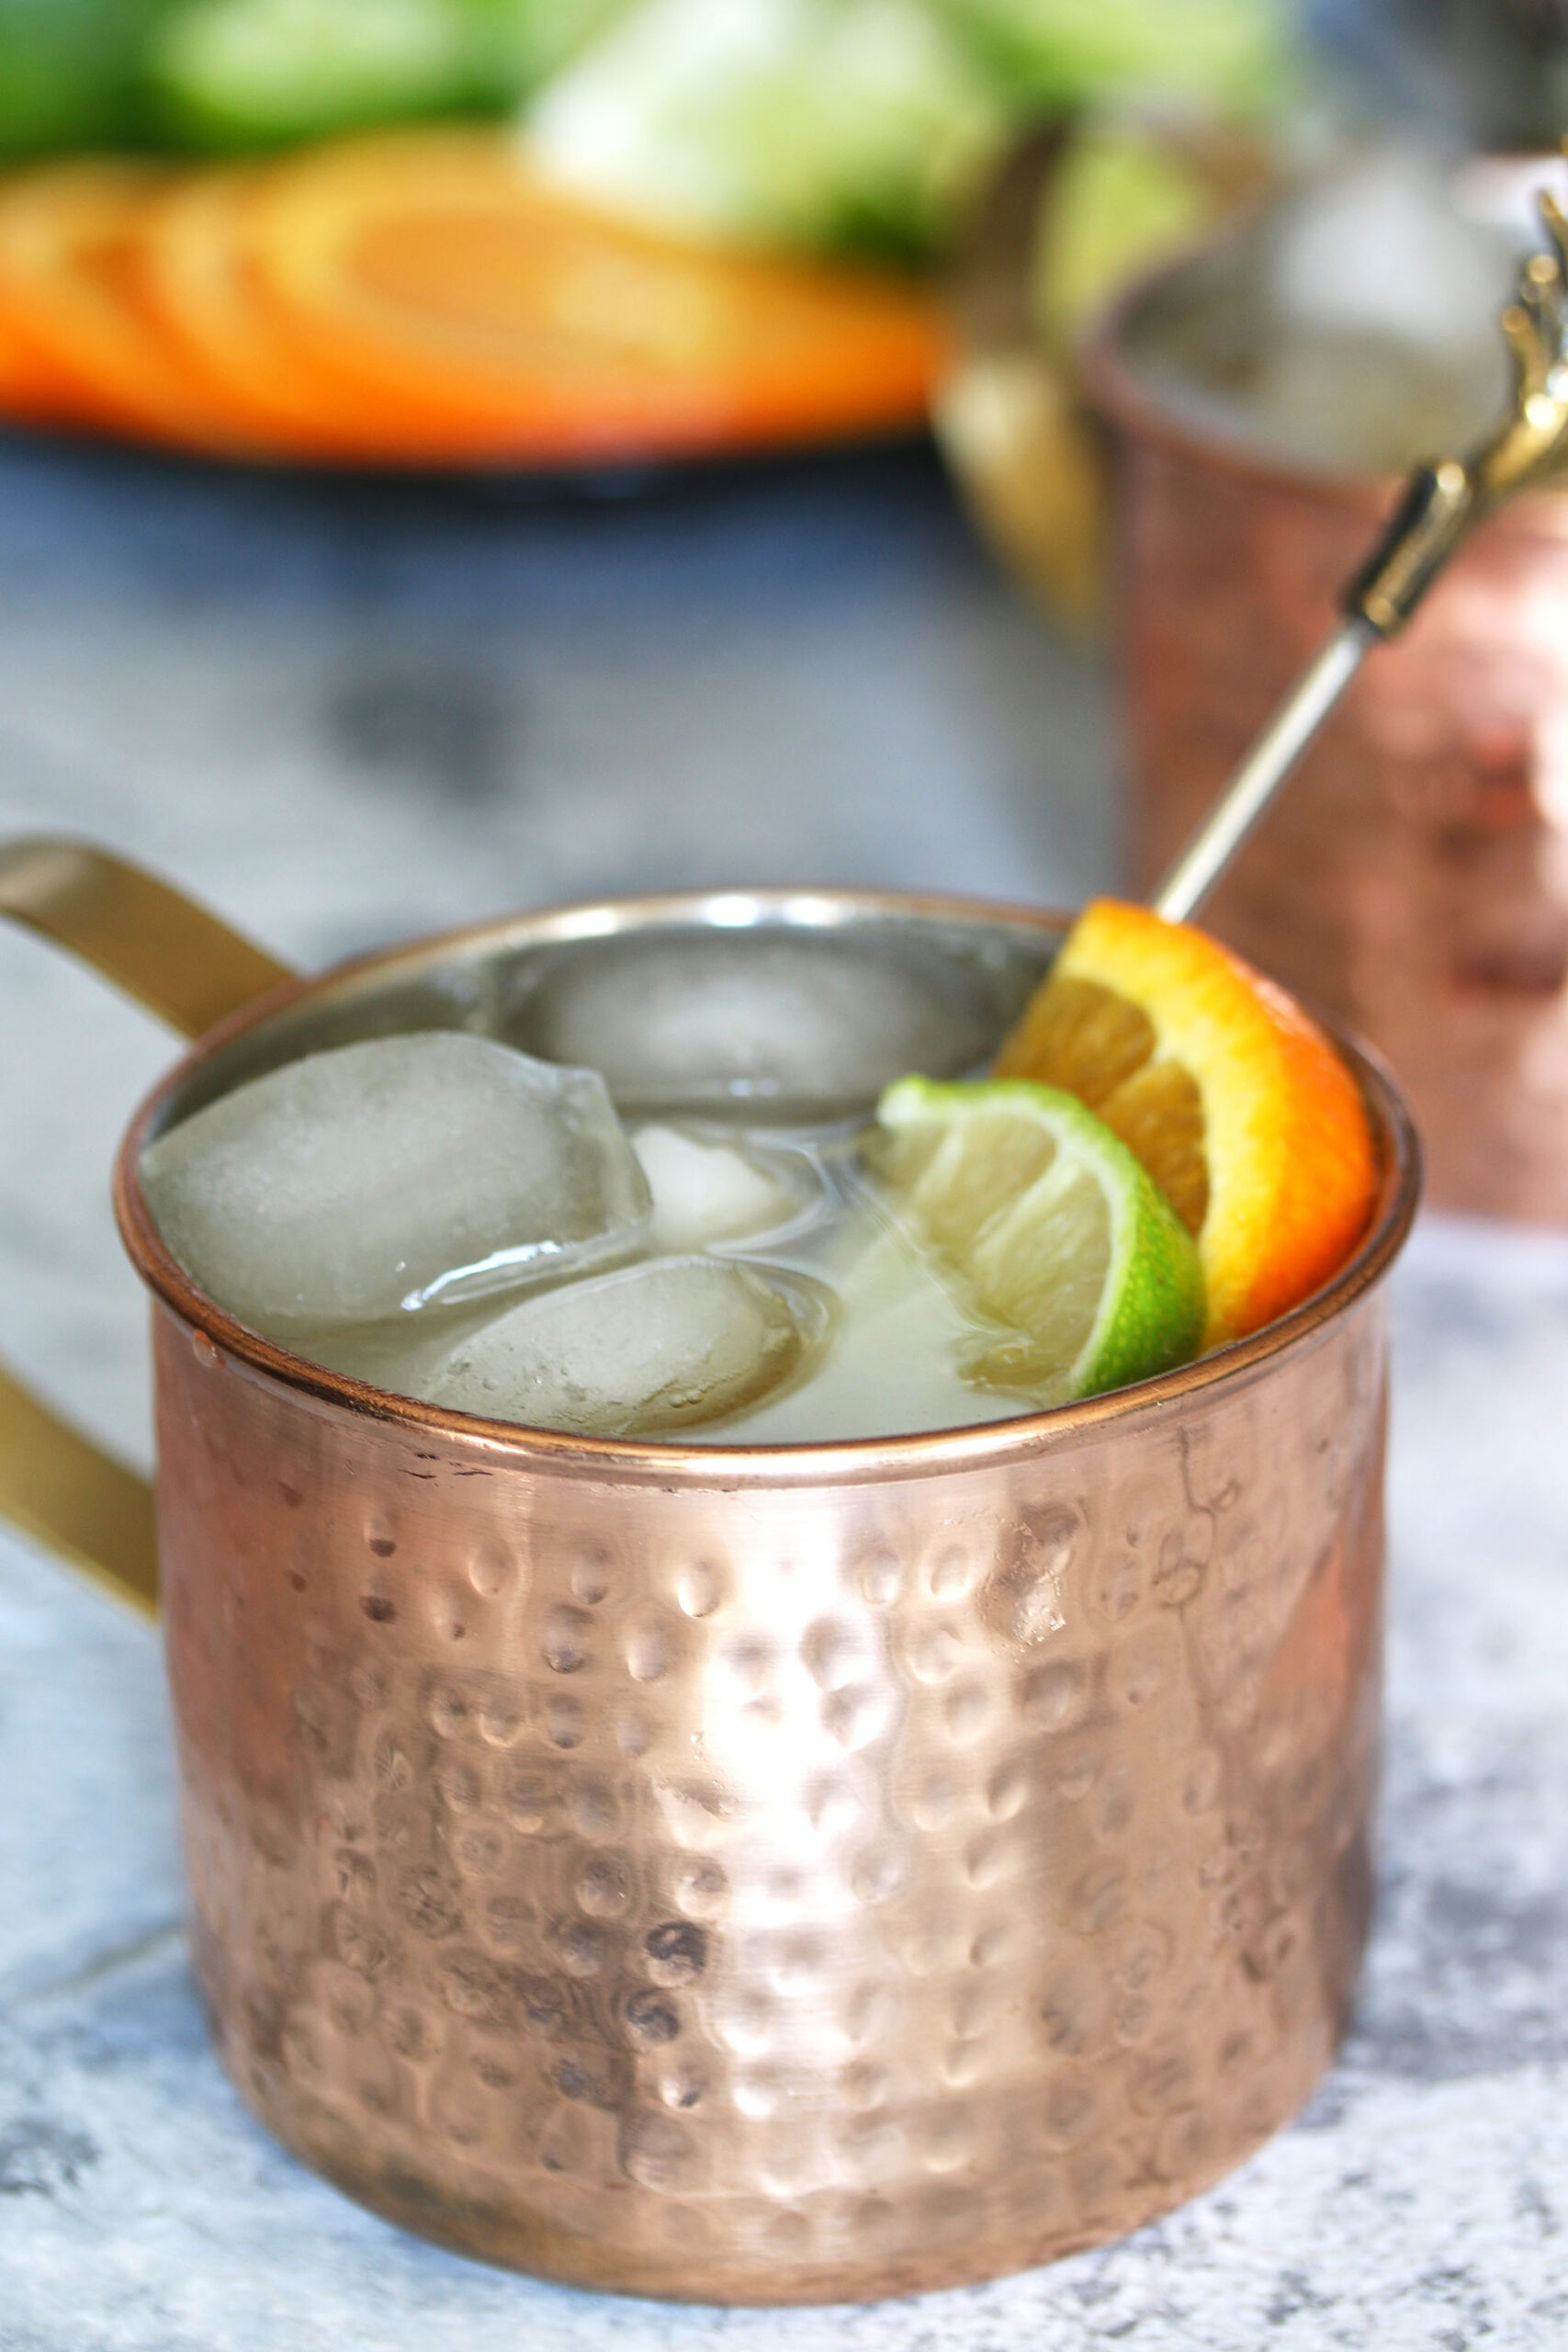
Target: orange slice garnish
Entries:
(1236, 1103)
(194, 287)
(526, 327)
(69, 243)
(420, 299)
(29, 389)
(196, 277)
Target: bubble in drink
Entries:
(790, 1028)
(655, 1346)
(400, 1173)
(704, 1191)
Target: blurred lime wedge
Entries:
(248, 72)
(1046, 1225)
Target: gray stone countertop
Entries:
(345, 714)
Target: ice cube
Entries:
(352, 1184)
(797, 1024)
(657, 1346)
(707, 1192)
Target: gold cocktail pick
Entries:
(1443, 503)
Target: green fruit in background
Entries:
(1121, 200)
(857, 124)
(517, 44)
(69, 72)
(1055, 54)
(242, 74)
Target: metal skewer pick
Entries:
(1443, 503)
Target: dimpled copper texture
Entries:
(773, 1877)
(1412, 878)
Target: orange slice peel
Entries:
(69, 241)
(1234, 1099)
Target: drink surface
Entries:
(688, 1189)
(866, 1340)
(449, 1219)
(635, 1207)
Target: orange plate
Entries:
(511, 324)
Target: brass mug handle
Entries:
(192, 971)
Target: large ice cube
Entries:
(706, 1191)
(774, 1025)
(390, 1174)
(657, 1346)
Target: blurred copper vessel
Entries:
(1412, 881)
(754, 1876)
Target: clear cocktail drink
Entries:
(447, 1216)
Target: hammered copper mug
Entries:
(754, 1876)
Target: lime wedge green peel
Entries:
(1047, 1228)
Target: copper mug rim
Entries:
(674, 1465)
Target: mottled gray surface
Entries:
(347, 715)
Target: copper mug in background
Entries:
(753, 1876)
(1412, 881)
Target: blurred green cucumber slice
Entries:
(69, 72)
(253, 73)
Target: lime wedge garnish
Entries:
(1079, 1272)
